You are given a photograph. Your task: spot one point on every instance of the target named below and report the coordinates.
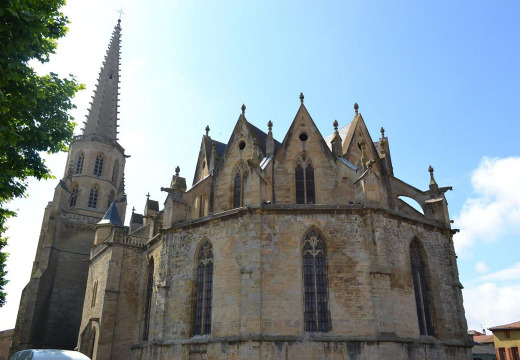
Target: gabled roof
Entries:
(342, 132)
(512, 326)
(136, 218)
(483, 339)
(112, 216)
(152, 205)
(261, 137)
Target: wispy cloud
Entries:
(481, 267)
(495, 209)
(511, 273)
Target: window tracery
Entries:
(93, 197)
(316, 312)
(115, 172)
(79, 163)
(204, 294)
(73, 195)
(421, 288)
(98, 166)
(304, 181)
(238, 185)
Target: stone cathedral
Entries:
(299, 249)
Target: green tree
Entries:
(33, 109)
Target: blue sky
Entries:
(441, 77)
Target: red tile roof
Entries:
(483, 339)
(512, 326)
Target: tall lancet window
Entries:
(93, 197)
(148, 303)
(238, 185)
(115, 172)
(98, 166)
(74, 195)
(204, 294)
(304, 181)
(79, 163)
(421, 289)
(316, 313)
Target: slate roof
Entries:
(512, 326)
(152, 205)
(342, 132)
(261, 136)
(136, 218)
(112, 216)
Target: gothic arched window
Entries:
(316, 313)
(115, 172)
(148, 302)
(93, 197)
(304, 181)
(204, 290)
(421, 288)
(74, 195)
(79, 163)
(98, 166)
(238, 185)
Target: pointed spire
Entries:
(269, 140)
(102, 117)
(112, 216)
(432, 179)
(336, 141)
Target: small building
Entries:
(507, 341)
(6, 337)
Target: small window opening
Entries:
(242, 145)
(303, 136)
(110, 77)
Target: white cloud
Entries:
(481, 267)
(491, 304)
(512, 273)
(495, 210)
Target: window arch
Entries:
(421, 288)
(239, 182)
(79, 163)
(115, 172)
(98, 165)
(74, 195)
(316, 312)
(93, 197)
(148, 302)
(204, 290)
(304, 181)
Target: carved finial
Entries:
(361, 144)
(301, 97)
(356, 108)
(335, 124)
(148, 196)
(177, 171)
(133, 209)
(207, 130)
(270, 125)
(430, 169)
(382, 132)
(243, 109)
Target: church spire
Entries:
(102, 119)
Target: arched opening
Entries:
(93, 197)
(148, 301)
(316, 311)
(412, 203)
(204, 290)
(98, 165)
(79, 163)
(304, 181)
(74, 192)
(238, 185)
(421, 288)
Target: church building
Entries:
(295, 249)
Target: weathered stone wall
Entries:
(5, 343)
(258, 288)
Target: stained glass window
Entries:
(421, 288)
(204, 295)
(79, 163)
(93, 197)
(74, 195)
(98, 166)
(238, 186)
(316, 312)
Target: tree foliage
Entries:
(33, 108)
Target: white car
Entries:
(48, 354)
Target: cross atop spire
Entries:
(120, 14)
(301, 97)
(102, 119)
(207, 130)
(243, 109)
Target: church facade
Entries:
(299, 249)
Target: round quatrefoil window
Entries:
(242, 145)
(303, 136)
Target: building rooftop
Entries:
(512, 326)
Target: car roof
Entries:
(49, 354)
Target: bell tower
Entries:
(50, 308)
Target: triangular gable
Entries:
(351, 151)
(206, 147)
(303, 115)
